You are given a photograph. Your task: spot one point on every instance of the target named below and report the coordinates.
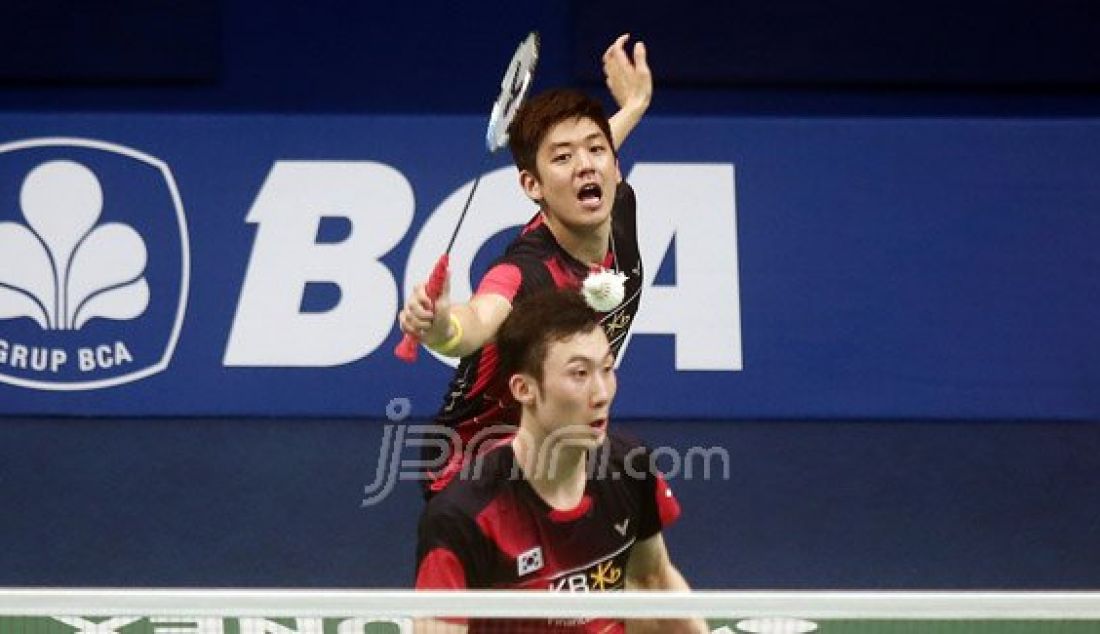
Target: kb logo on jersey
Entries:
(93, 264)
(600, 577)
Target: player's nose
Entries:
(603, 389)
(585, 161)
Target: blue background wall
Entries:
(854, 56)
(857, 499)
(809, 505)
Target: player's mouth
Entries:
(600, 424)
(590, 196)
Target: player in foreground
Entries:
(565, 149)
(565, 505)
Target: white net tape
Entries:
(161, 611)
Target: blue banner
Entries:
(820, 268)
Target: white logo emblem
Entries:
(529, 561)
(60, 269)
(621, 528)
(76, 267)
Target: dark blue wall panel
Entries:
(711, 56)
(59, 42)
(927, 45)
(276, 503)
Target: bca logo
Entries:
(93, 264)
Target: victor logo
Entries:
(621, 528)
(93, 264)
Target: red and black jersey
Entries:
(493, 531)
(477, 404)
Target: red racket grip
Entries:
(407, 349)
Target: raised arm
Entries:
(650, 568)
(631, 84)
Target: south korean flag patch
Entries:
(529, 561)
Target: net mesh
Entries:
(396, 612)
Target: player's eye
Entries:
(560, 158)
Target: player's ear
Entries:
(530, 185)
(523, 388)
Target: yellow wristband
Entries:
(449, 346)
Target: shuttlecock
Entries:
(604, 289)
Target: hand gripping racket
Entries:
(513, 90)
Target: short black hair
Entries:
(535, 322)
(544, 111)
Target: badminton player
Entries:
(566, 504)
(565, 149)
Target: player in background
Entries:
(566, 152)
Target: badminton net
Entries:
(116, 611)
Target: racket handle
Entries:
(409, 346)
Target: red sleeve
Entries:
(440, 570)
(503, 280)
(668, 509)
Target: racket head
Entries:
(513, 90)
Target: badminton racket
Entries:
(513, 90)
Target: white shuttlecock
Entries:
(604, 289)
